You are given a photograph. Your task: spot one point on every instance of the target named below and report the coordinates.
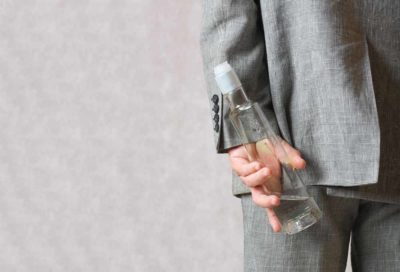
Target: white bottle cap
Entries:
(226, 78)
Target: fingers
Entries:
(239, 161)
(268, 202)
(294, 155)
(252, 173)
(239, 151)
(284, 152)
(243, 167)
(266, 169)
(251, 149)
(263, 200)
(257, 178)
(260, 178)
(267, 150)
(273, 220)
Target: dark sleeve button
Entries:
(216, 127)
(215, 108)
(214, 99)
(216, 117)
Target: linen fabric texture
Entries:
(374, 228)
(327, 76)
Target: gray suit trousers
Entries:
(323, 247)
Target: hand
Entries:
(259, 168)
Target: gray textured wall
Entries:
(107, 161)
(106, 154)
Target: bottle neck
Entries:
(236, 98)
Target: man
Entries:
(327, 75)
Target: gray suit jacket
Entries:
(308, 65)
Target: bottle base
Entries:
(302, 222)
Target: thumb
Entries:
(292, 156)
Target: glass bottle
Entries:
(297, 210)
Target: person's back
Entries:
(327, 74)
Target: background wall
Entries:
(106, 154)
(107, 160)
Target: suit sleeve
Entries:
(232, 31)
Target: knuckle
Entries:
(246, 181)
(254, 181)
(261, 201)
(257, 200)
(263, 173)
(256, 166)
(258, 178)
(238, 172)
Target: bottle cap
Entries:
(226, 78)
